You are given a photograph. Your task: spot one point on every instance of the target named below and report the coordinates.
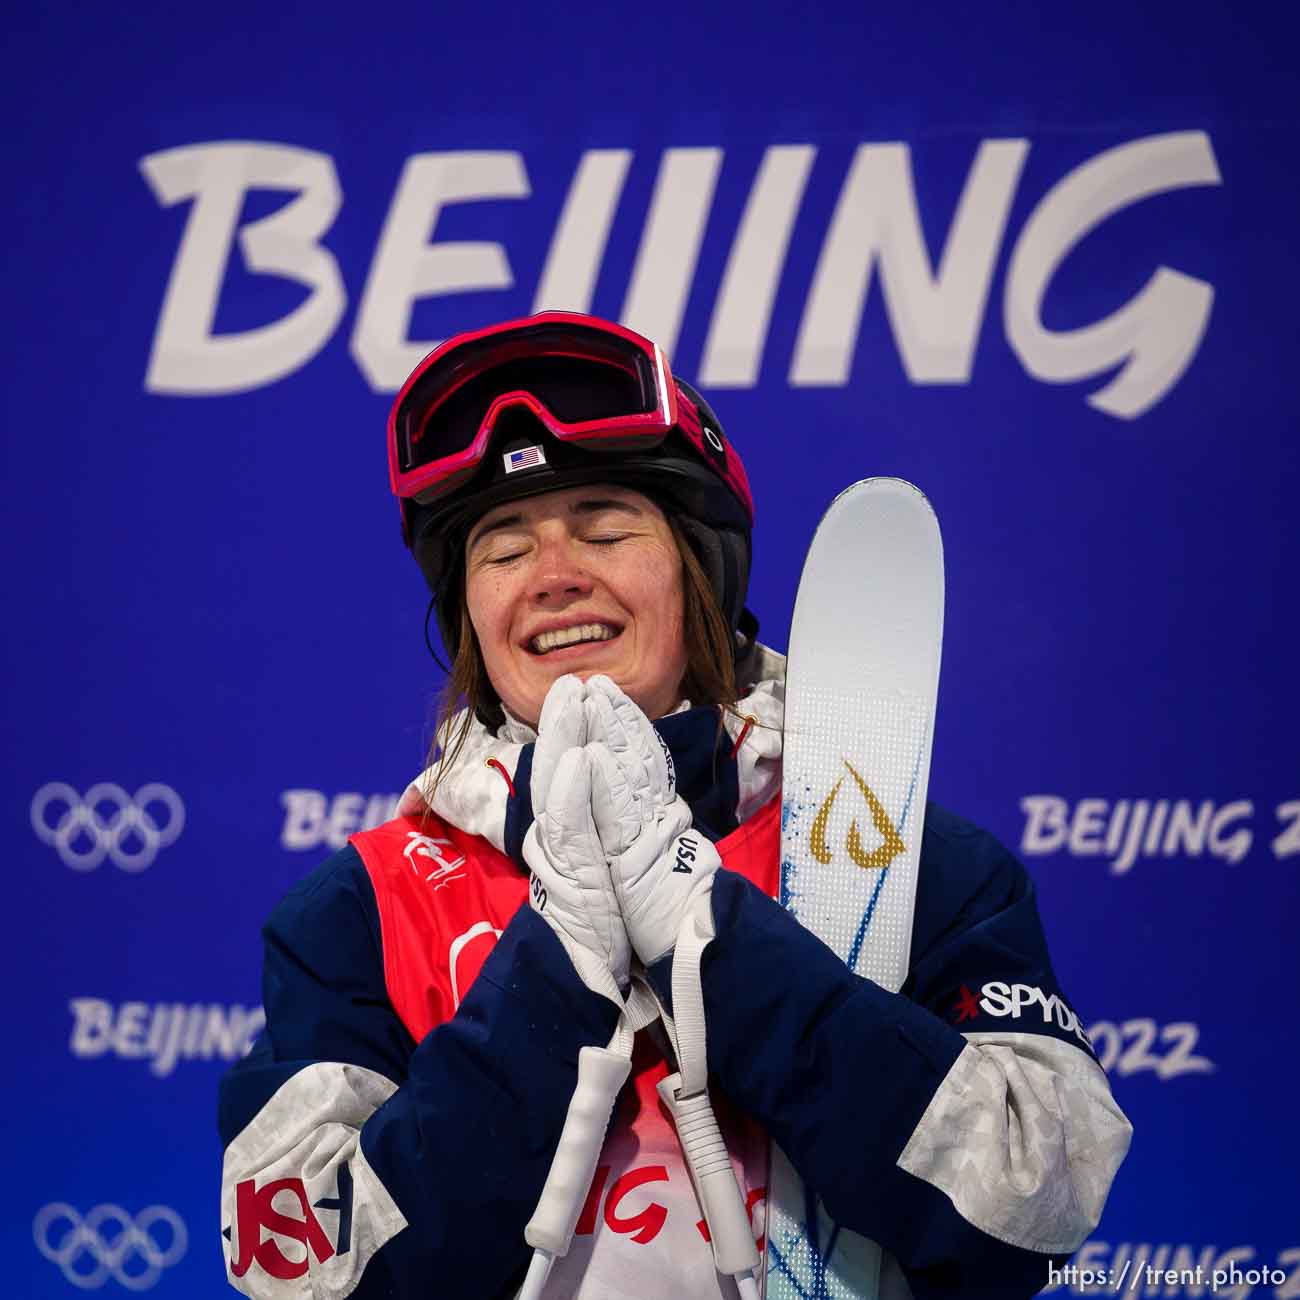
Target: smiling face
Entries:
(583, 580)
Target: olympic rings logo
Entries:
(107, 822)
(127, 1251)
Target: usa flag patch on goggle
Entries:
(524, 458)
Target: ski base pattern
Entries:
(861, 685)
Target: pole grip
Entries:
(601, 1075)
(719, 1195)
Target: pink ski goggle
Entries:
(588, 381)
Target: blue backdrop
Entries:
(1040, 263)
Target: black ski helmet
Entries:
(691, 472)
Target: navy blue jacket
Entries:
(963, 1122)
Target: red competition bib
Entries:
(444, 898)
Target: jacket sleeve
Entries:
(358, 1162)
(975, 1156)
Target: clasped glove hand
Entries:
(658, 864)
(571, 888)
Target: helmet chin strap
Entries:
(490, 712)
(428, 640)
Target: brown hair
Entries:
(710, 676)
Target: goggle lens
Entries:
(578, 374)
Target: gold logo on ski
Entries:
(880, 857)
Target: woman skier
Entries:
(584, 526)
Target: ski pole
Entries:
(602, 1071)
(686, 1095)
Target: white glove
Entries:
(571, 887)
(658, 864)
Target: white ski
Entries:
(861, 682)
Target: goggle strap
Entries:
(688, 416)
